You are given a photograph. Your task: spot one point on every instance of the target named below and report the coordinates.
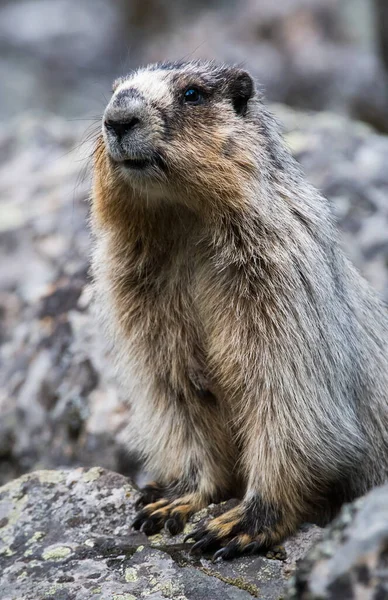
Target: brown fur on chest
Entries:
(157, 299)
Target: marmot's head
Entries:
(181, 129)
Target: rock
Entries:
(351, 560)
(66, 535)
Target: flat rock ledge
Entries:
(66, 535)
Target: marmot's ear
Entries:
(241, 89)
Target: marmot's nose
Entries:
(122, 127)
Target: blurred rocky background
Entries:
(59, 405)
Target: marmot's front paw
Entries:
(246, 529)
(172, 515)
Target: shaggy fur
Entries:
(254, 356)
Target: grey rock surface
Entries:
(59, 404)
(351, 560)
(66, 535)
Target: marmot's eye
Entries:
(192, 96)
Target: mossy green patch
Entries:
(201, 514)
(130, 574)
(189, 528)
(56, 553)
(92, 474)
(6, 552)
(23, 575)
(50, 476)
(156, 539)
(38, 535)
(52, 590)
(238, 582)
(169, 589)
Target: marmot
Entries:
(254, 356)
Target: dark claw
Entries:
(208, 542)
(174, 525)
(147, 523)
(140, 518)
(194, 535)
(151, 526)
(169, 526)
(228, 552)
(140, 502)
(137, 523)
(220, 553)
(197, 546)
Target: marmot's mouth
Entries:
(136, 163)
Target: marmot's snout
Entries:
(128, 129)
